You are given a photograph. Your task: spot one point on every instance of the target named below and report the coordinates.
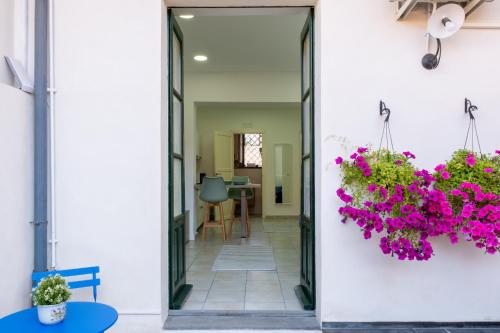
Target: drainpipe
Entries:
(52, 122)
(40, 137)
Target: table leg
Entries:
(243, 213)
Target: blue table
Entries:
(81, 317)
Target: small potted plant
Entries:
(50, 297)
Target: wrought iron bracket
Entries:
(384, 110)
(469, 108)
(386, 130)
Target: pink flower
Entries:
(497, 152)
(362, 150)
(440, 167)
(339, 160)
(408, 154)
(488, 170)
(383, 192)
(398, 162)
(445, 175)
(372, 188)
(467, 211)
(470, 160)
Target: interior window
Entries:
(248, 150)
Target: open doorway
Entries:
(244, 102)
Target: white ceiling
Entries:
(244, 41)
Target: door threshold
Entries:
(241, 320)
(238, 313)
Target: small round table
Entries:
(88, 317)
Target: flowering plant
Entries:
(51, 290)
(384, 193)
(381, 168)
(472, 183)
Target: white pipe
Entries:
(53, 238)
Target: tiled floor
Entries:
(246, 290)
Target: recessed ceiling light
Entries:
(186, 16)
(200, 58)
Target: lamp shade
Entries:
(446, 21)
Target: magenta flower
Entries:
(353, 156)
(383, 192)
(407, 154)
(339, 160)
(362, 150)
(398, 162)
(497, 152)
(470, 160)
(488, 170)
(467, 211)
(372, 188)
(445, 175)
(440, 167)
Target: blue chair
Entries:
(213, 192)
(94, 282)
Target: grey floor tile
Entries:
(226, 296)
(229, 285)
(264, 296)
(213, 305)
(231, 275)
(198, 296)
(265, 306)
(262, 276)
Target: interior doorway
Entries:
(217, 128)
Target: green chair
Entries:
(235, 194)
(213, 193)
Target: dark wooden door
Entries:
(306, 289)
(178, 289)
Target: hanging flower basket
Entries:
(384, 193)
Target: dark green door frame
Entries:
(306, 290)
(178, 289)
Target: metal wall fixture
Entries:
(446, 19)
(472, 129)
(405, 7)
(386, 130)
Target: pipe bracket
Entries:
(40, 222)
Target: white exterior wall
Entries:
(109, 146)
(16, 175)
(374, 57)
(16, 198)
(110, 155)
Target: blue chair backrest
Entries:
(94, 282)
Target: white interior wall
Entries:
(278, 125)
(360, 64)
(109, 73)
(236, 87)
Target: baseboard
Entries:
(391, 326)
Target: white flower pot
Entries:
(51, 314)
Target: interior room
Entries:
(242, 123)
